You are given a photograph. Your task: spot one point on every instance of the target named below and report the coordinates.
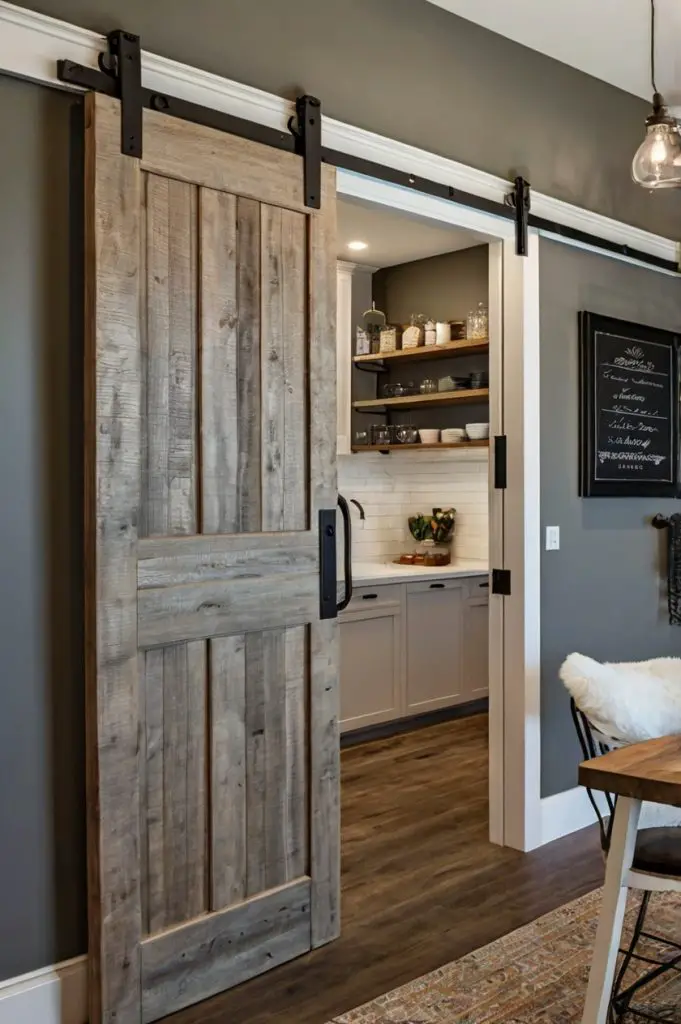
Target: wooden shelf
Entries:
(452, 348)
(462, 396)
(418, 446)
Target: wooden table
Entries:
(644, 771)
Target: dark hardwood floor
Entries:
(421, 883)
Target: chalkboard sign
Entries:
(629, 390)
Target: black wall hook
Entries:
(660, 522)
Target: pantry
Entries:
(413, 463)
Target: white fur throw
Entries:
(630, 702)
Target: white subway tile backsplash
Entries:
(391, 488)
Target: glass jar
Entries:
(477, 323)
(428, 386)
(380, 434)
(361, 438)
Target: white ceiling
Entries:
(608, 39)
(394, 237)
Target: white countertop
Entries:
(370, 573)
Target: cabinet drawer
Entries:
(478, 589)
(425, 586)
(366, 598)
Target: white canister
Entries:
(431, 332)
(443, 332)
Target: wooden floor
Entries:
(421, 884)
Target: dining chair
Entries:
(656, 868)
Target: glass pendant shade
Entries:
(657, 163)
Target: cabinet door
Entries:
(370, 666)
(476, 649)
(434, 645)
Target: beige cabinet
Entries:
(371, 662)
(434, 619)
(476, 643)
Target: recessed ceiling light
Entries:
(356, 246)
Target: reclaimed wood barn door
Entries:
(212, 681)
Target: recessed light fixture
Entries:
(357, 246)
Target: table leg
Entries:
(608, 935)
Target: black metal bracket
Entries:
(501, 582)
(121, 65)
(500, 462)
(306, 129)
(519, 199)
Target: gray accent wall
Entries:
(42, 778)
(604, 593)
(414, 72)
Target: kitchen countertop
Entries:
(370, 573)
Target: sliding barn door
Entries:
(212, 683)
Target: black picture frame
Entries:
(600, 476)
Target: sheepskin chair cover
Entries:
(631, 702)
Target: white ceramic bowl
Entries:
(429, 436)
(477, 431)
(453, 434)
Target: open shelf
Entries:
(452, 348)
(463, 396)
(418, 447)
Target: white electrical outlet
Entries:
(553, 538)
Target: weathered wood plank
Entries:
(176, 560)
(224, 607)
(256, 765)
(220, 950)
(153, 817)
(324, 782)
(188, 152)
(228, 768)
(112, 498)
(197, 779)
(284, 383)
(322, 355)
(324, 697)
(169, 477)
(219, 363)
(297, 751)
(248, 374)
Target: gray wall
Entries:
(42, 848)
(443, 287)
(604, 593)
(412, 71)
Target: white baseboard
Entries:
(52, 995)
(567, 812)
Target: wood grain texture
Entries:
(219, 362)
(249, 360)
(644, 771)
(193, 611)
(175, 689)
(422, 886)
(243, 941)
(112, 500)
(172, 561)
(283, 364)
(228, 771)
(170, 471)
(297, 751)
(419, 355)
(188, 152)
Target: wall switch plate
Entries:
(553, 538)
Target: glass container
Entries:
(428, 386)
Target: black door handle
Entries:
(483, 585)
(437, 586)
(347, 553)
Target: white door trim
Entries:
(515, 809)
(51, 995)
(31, 44)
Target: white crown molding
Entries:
(31, 44)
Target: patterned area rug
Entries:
(536, 975)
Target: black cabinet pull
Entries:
(484, 585)
(369, 597)
(437, 586)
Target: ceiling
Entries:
(608, 39)
(394, 237)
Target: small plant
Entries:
(437, 527)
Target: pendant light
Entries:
(657, 163)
